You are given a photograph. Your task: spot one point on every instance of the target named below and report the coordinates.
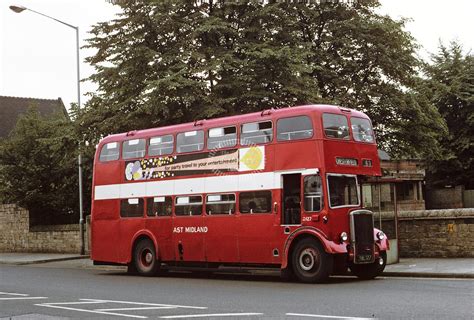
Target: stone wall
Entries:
(433, 233)
(445, 198)
(17, 236)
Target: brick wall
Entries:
(17, 236)
(444, 233)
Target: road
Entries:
(64, 290)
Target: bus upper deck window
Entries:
(190, 141)
(219, 138)
(256, 133)
(133, 148)
(294, 128)
(362, 130)
(335, 126)
(109, 152)
(161, 145)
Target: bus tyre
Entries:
(370, 271)
(144, 258)
(310, 263)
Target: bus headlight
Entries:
(344, 236)
(380, 235)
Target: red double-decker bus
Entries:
(277, 188)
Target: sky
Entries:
(38, 55)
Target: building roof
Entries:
(12, 107)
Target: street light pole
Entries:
(19, 9)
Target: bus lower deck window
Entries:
(342, 191)
(312, 193)
(131, 207)
(255, 202)
(188, 206)
(159, 206)
(220, 204)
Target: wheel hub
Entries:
(307, 259)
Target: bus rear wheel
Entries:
(310, 263)
(370, 271)
(144, 258)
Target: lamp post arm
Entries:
(45, 15)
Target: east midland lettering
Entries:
(190, 230)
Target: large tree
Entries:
(38, 168)
(165, 62)
(450, 83)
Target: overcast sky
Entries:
(37, 55)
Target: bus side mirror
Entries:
(275, 207)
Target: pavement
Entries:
(408, 267)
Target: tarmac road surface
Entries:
(62, 291)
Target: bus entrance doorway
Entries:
(291, 202)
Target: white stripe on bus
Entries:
(213, 184)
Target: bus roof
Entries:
(230, 120)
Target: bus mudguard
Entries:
(382, 244)
(329, 246)
(141, 233)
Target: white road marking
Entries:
(18, 296)
(146, 304)
(326, 316)
(136, 308)
(107, 311)
(184, 316)
(92, 311)
(72, 303)
(22, 298)
(15, 294)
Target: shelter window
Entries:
(335, 126)
(255, 202)
(313, 200)
(219, 138)
(161, 145)
(134, 149)
(362, 130)
(190, 141)
(109, 152)
(220, 204)
(159, 206)
(342, 191)
(188, 206)
(294, 128)
(131, 207)
(256, 133)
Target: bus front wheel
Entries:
(310, 263)
(144, 258)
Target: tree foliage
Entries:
(166, 62)
(450, 83)
(38, 168)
